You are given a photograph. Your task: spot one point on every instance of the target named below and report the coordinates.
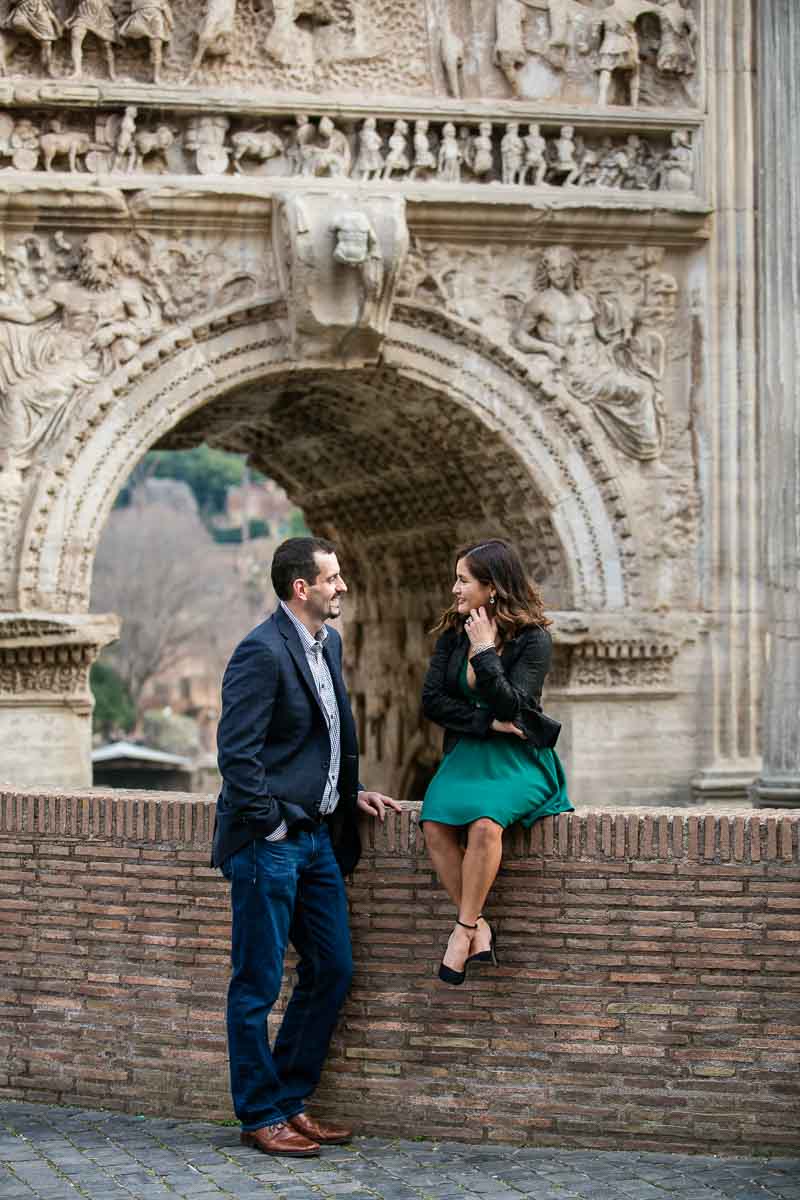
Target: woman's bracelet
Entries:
(479, 649)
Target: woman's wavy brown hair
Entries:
(497, 564)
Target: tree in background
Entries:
(208, 472)
(176, 592)
(114, 711)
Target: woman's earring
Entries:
(493, 599)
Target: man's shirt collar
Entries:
(310, 641)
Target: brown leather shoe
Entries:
(327, 1135)
(281, 1139)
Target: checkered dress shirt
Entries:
(312, 645)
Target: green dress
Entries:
(499, 776)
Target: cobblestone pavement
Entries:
(64, 1153)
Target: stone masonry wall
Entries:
(647, 997)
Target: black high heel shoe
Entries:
(447, 974)
(483, 956)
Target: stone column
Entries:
(778, 156)
(728, 428)
(45, 701)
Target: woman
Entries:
(484, 686)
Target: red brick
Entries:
(618, 972)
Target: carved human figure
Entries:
(637, 172)
(448, 166)
(330, 153)
(287, 42)
(96, 17)
(357, 246)
(676, 52)
(512, 153)
(592, 348)
(38, 20)
(369, 162)
(558, 12)
(566, 166)
(151, 19)
(260, 144)
(535, 161)
(301, 143)
(588, 164)
(215, 35)
(677, 166)
(78, 332)
(612, 162)
(482, 152)
(615, 31)
(125, 145)
(509, 47)
(424, 158)
(397, 156)
(451, 49)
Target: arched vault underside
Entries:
(443, 441)
(389, 470)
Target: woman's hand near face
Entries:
(480, 628)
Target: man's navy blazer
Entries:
(273, 744)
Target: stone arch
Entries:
(459, 402)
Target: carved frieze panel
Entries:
(637, 53)
(616, 669)
(49, 659)
(584, 52)
(55, 671)
(608, 332)
(546, 155)
(73, 309)
(599, 323)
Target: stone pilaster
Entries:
(730, 562)
(779, 384)
(45, 701)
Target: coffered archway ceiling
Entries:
(397, 473)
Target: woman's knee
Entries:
(436, 835)
(485, 834)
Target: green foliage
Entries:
(297, 524)
(209, 473)
(114, 710)
(258, 529)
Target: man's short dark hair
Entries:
(294, 559)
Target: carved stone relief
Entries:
(71, 312)
(605, 338)
(513, 153)
(635, 53)
(591, 52)
(338, 262)
(285, 45)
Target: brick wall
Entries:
(648, 993)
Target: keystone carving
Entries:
(338, 262)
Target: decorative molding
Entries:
(45, 659)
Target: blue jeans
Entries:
(284, 891)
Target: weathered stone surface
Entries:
(331, 237)
(779, 379)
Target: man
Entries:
(286, 831)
